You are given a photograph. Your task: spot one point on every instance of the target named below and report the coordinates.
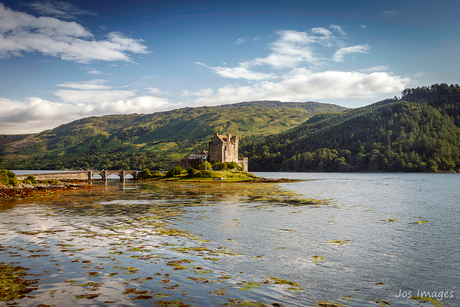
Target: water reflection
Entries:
(179, 244)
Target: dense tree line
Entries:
(420, 132)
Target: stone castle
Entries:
(221, 149)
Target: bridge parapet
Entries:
(58, 176)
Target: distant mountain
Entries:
(419, 132)
(150, 140)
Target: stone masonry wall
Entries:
(244, 163)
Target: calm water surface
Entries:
(102, 246)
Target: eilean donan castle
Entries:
(221, 149)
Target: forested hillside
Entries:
(138, 141)
(419, 132)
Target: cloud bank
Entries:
(302, 84)
(36, 114)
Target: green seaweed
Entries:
(173, 303)
(293, 286)
(317, 259)
(87, 296)
(13, 284)
(249, 285)
(244, 303)
(327, 304)
(382, 302)
(219, 292)
(338, 242)
(421, 299)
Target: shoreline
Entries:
(211, 180)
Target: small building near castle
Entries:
(221, 149)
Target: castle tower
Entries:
(223, 149)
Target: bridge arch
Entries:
(120, 173)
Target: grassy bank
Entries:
(205, 176)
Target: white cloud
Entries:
(342, 52)
(388, 13)
(238, 72)
(58, 9)
(363, 26)
(201, 93)
(291, 49)
(142, 104)
(94, 71)
(185, 93)
(156, 92)
(204, 92)
(93, 96)
(421, 74)
(97, 84)
(241, 40)
(376, 68)
(35, 114)
(6, 105)
(338, 29)
(21, 32)
(207, 92)
(301, 85)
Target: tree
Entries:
(234, 165)
(205, 166)
(146, 173)
(221, 166)
(177, 170)
(8, 178)
(432, 165)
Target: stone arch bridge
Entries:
(120, 173)
(84, 175)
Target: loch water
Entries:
(357, 239)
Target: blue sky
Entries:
(64, 60)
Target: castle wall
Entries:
(244, 163)
(186, 163)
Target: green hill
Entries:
(419, 132)
(137, 141)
